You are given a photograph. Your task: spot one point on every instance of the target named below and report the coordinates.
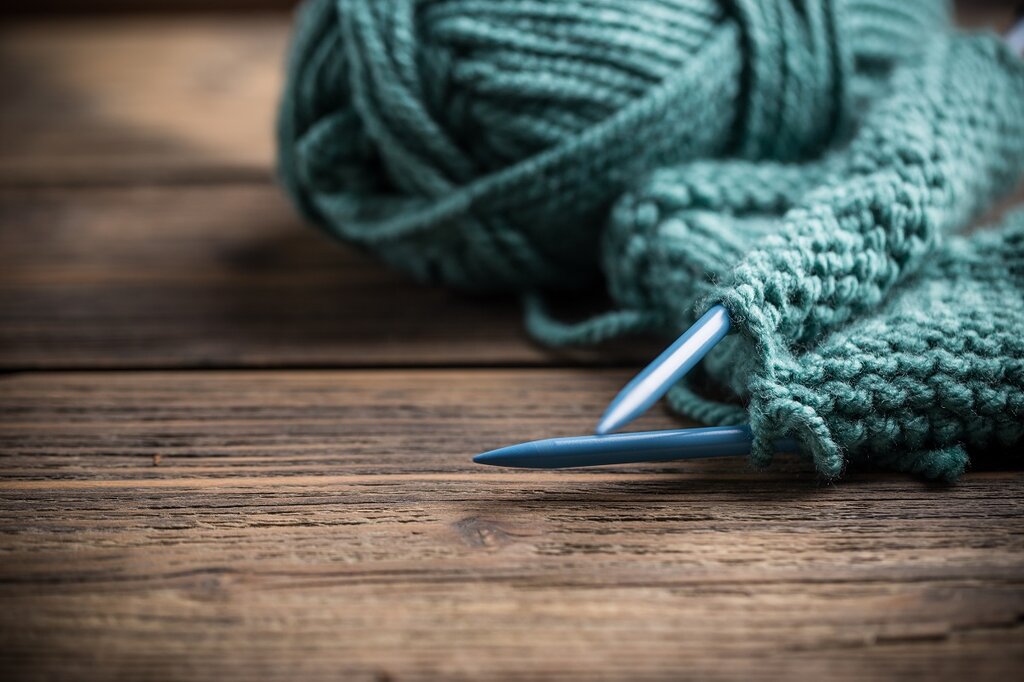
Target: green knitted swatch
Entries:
(807, 257)
(936, 372)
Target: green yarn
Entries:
(480, 143)
(694, 152)
(937, 371)
(937, 150)
(917, 170)
(807, 258)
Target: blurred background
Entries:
(185, 5)
(120, 75)
(137, 153)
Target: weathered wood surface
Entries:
(222, 275)
(269, 524)
(136, 100)
(329, 525)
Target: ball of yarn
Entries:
(480, 143)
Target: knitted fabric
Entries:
(936, 372)
(805, 258)
(805, 246)
(481, 142)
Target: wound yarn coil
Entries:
(480, 143)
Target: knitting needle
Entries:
(622, 448)
(1015, 37)
(675, 361)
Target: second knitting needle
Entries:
(621, 448)
(658, 377)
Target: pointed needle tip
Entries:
(622, 410)
(606, 426)
(485, 458)
(654, 381)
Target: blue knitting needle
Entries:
(654, 381)
(621, 448)
(1014, 38)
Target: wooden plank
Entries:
(990, 13)
(139, 99)
(275, 525)
(223, 275)
(161, 7)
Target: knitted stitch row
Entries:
(936, 151)
(481, 142)
(936, 372)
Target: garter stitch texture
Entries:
(806, 257)
(481, 142)
(936, 372)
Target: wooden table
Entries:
(232, 449)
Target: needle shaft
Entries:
(621, 448)
(658, 377)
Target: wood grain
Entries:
(262, 523)
(274, 525)
(149, 7)
(225, 275)
(136, 100)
